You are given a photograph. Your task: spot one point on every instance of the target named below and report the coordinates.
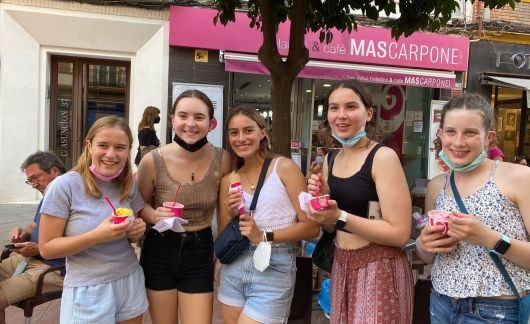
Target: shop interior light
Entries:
(326, 85)
(320, 110)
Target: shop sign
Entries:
(295, 144)
(517, 60)
(366, 45)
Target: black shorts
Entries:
(182, 261)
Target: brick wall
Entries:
(521, 14)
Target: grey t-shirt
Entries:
(66, 198)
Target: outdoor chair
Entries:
(41, 296)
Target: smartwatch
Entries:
(502, 245)
(270, 236)
(341, 222)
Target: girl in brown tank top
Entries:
(179, 267)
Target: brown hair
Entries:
(195, 94)
(85, 160)
(470, 101)
(148, 118)
(366, 97)
(264, 145)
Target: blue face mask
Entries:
(466, 168)
(349, 142)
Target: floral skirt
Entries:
(372, 284)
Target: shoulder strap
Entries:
(495, 257)
(262, 175)
(331, 159)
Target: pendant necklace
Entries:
(193, 173)
(252, 184)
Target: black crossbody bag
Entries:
(230, 243)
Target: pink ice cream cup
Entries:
(439, 217)
(122, 214)
(176, 208)
(320, 202)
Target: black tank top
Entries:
(353, 194)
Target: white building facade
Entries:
(64, 64)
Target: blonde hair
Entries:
(85, 160)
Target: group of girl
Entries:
(371, 277)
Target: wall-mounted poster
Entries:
(433, 168)
(509, 136)
(510, 118)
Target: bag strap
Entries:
(262, 175)
(495, 257)
(331, 159)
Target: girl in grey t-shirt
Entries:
(104, 282)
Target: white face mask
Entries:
(262, 255)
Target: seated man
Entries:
(41, 168)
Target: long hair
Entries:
(85, 160)
(367, 99)
(264, 145)
(195, 94)
(148, 118)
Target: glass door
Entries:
(83, 90)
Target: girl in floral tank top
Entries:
(468, 287)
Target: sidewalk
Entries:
(21, 214)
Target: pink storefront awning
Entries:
(248, 63)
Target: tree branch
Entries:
(298, 53)
(268, 53)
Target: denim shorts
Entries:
(108, 303)
(473, 310)
(181, 261)
(264, 296)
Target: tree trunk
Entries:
(283, 73)
(282, 85)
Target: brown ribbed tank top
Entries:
(199, 197)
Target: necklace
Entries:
(193, 173)
(252, 184)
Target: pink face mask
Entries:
(100, 176)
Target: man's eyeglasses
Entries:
(33, 179)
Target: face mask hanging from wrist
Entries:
(465, 168)
(349, 142)
(262, 254)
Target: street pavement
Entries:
(21, 214)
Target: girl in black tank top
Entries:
(371, 277)
(353, 193)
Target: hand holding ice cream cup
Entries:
(121, 214)
(319, 202)
(439, 218)
(176, 208)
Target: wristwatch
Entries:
(269, 235)
(341, 222)
(502, 245)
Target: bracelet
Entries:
(419, 246)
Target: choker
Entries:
(190, 147)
